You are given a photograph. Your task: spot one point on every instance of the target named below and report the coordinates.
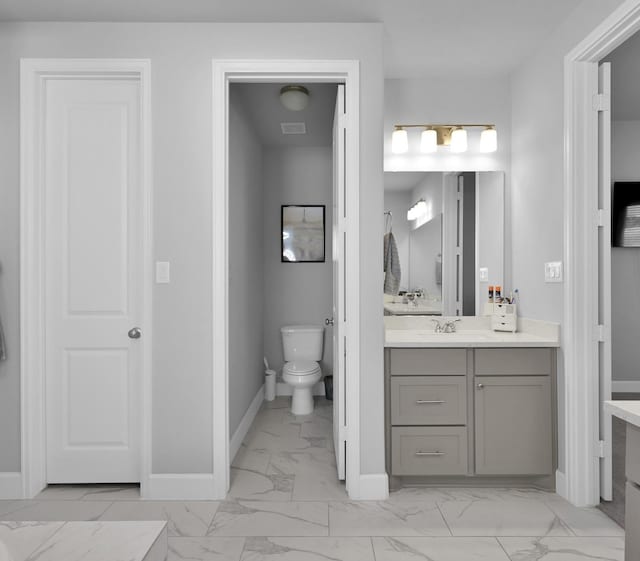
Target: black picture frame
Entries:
(302, 229)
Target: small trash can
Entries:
(328, 387)
(269, 384)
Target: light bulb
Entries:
(399, 141)
(489, 140)
(459, 140)
(429, 141)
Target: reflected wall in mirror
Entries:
(452, 248)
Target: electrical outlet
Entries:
(553, 271)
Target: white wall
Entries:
(246, 274)
(625, 263)
(536, 182)
(398, 202)
(296, 293)
(181, 55)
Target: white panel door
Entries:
(604, 274)
(93, 279)
(339, 304)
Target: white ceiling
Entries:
(421, 37)
(625, 80)
(261, 103)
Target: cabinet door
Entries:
(513, 425)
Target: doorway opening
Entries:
(260, 186)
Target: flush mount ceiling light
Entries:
(454, 136)
(294, 98)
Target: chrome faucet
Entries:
(450, 326)
(437, 328)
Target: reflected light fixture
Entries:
(489, 140)
(458, 140)
(418, 210)
(294, 98)
(399, 141)
(454, 136)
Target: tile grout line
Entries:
(503, 549)
(446, 522)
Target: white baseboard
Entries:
(245, 424)
(11, 485)
(625, 386)
(180, 486)
(282, 388)
(561, 484)
(373, 487)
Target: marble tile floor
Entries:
(285, 503)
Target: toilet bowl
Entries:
(302, 376)
(302, 345)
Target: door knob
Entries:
(480, 386)
(328, 321)
(134, 333)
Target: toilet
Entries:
(302, 345)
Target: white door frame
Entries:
(224, 72)
(34, 74)
(580, 483)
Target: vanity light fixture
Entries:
(294, 98)
(429, 141)
(399, 141)
(489, 140)
(454, 136)
(458, 140)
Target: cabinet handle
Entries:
(428, 401)
(418, 453)
(480, 386)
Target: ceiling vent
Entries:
(293, 128)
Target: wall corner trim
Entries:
(180, 487)
(373, 487)
(561, 484)
(245, 424)
(11, 485)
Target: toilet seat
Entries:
(301, 367)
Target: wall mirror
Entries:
(449, 232)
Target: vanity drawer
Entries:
(513, 362)
(428, 362)
(428, 400)
(428, 450)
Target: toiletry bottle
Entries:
(498, 295)
(490, 294)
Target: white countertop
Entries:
(471, 332)
(627, 410)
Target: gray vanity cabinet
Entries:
(465, 412)
(513, 425)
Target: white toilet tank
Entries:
(302, 342)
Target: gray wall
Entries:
(181, 55)
(625, 264)
(296, 293)
(246, 277)
(536, 185)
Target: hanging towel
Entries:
(3, 345)
(391, 265)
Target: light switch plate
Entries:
(163, 272)
(484, 274)
(553, 271)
